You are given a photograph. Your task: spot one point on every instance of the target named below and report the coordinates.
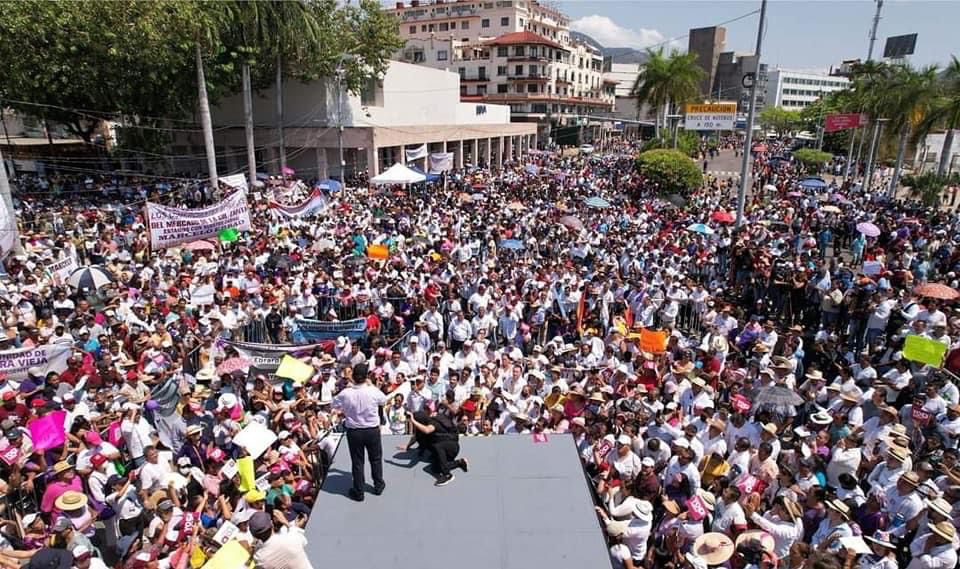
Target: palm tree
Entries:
(911, 95)
(666, 82)
(945, 113)
(650, 85)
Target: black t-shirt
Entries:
(445, 430)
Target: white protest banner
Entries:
(416, 153)
(171, 226)
(237, 181)
(315, 203)
(8, 224)
(60, 270)
(441, 162)
(49, 357)
(255, 438)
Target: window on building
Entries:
(372, 93)
(418, 57)
(444, 26)
(502, 51)
(521, 22)
(462, 71)
(518, 89)
(423, 28)
(502, 88)
(413, 29)
(501, 70)
(465, 25)
(505, 21)
(518, 70)
(534, 70)
(453, 25)
(532, 88)
(441, 55)
(481, 89)
(519, 51)
(430, 27)
(482, 72)
(533, 51)
(485, 23)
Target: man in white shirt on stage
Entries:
(360, 405)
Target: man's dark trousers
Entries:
(360, 440)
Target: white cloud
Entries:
(611, 34)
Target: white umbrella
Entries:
(91, 278)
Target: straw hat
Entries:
(717, 424)
(897, 453)
(881, 538)
(671, 506)
(770, 428)
(815, 375)
(714, 548)
(643, 510)
(616, 529)
(940, 506)
(709, 500)
(597, 397)
(765, 539)
(62, 466)
(71, 501)
(839, 507)
(911, 478)
(944, 529)
(793, 509)
(850, 397)
(821, 418)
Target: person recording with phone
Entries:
(438, 435)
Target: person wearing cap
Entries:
(634, 533)
(948, 425)
(903, 501)
(131, 433)
(441, 437)
(624, 460)
(279, 550)
(360, 405)
(885, 474)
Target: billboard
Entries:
(710, 116)
(900, 46)
(843, 121)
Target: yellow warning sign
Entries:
(712, 108)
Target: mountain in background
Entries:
(616, 54)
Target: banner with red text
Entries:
(170, 226)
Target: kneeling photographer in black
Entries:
(438, 435)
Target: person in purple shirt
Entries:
(360, 405)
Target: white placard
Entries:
(49, 357)
(255, 438)
(238, 181)
(225, 533)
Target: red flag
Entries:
(581, 311)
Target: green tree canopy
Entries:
(671, 170)
(811, 157)
(780, 120)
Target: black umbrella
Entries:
(677, 200)
(776, 395)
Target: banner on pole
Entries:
(416, 153)
(170, 226)
(312, 330)
(315, 203)
(266, 358)
(440, 162)
(48, 357)
(842, 121)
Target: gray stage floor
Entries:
(522, 505)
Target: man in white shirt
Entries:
(283, 550)
(360, 404)
(784, 522)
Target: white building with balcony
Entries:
(794, 90)
(514, 52)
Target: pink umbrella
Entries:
(868, 229)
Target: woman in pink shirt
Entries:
(66, 480)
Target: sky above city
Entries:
(809, 35)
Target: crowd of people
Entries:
(778, 420)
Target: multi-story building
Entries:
(514, 52)
(794, 90)
(707, 44)
(729, 83)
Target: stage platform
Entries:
(522, 505)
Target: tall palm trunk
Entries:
(205, 122)
(945, 153)
(901, 151)
(248, 123)
(279, 90)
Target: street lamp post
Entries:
(675, 126)
(868, 173)
(340, 72)
(748, 139)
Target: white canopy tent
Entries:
(398, 174)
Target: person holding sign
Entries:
(360, 405)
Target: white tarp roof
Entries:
(398, 174)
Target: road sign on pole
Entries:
(711, 116)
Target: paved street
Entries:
(724, 165)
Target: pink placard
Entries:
(10, 455)
(113, 433)
(696, 509)
(741, 403)
(539, 437)
(919, 416)
(47, 431)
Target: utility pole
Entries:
(868, 173)
(873, 31)
(748, 139)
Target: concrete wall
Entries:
(930, 149)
